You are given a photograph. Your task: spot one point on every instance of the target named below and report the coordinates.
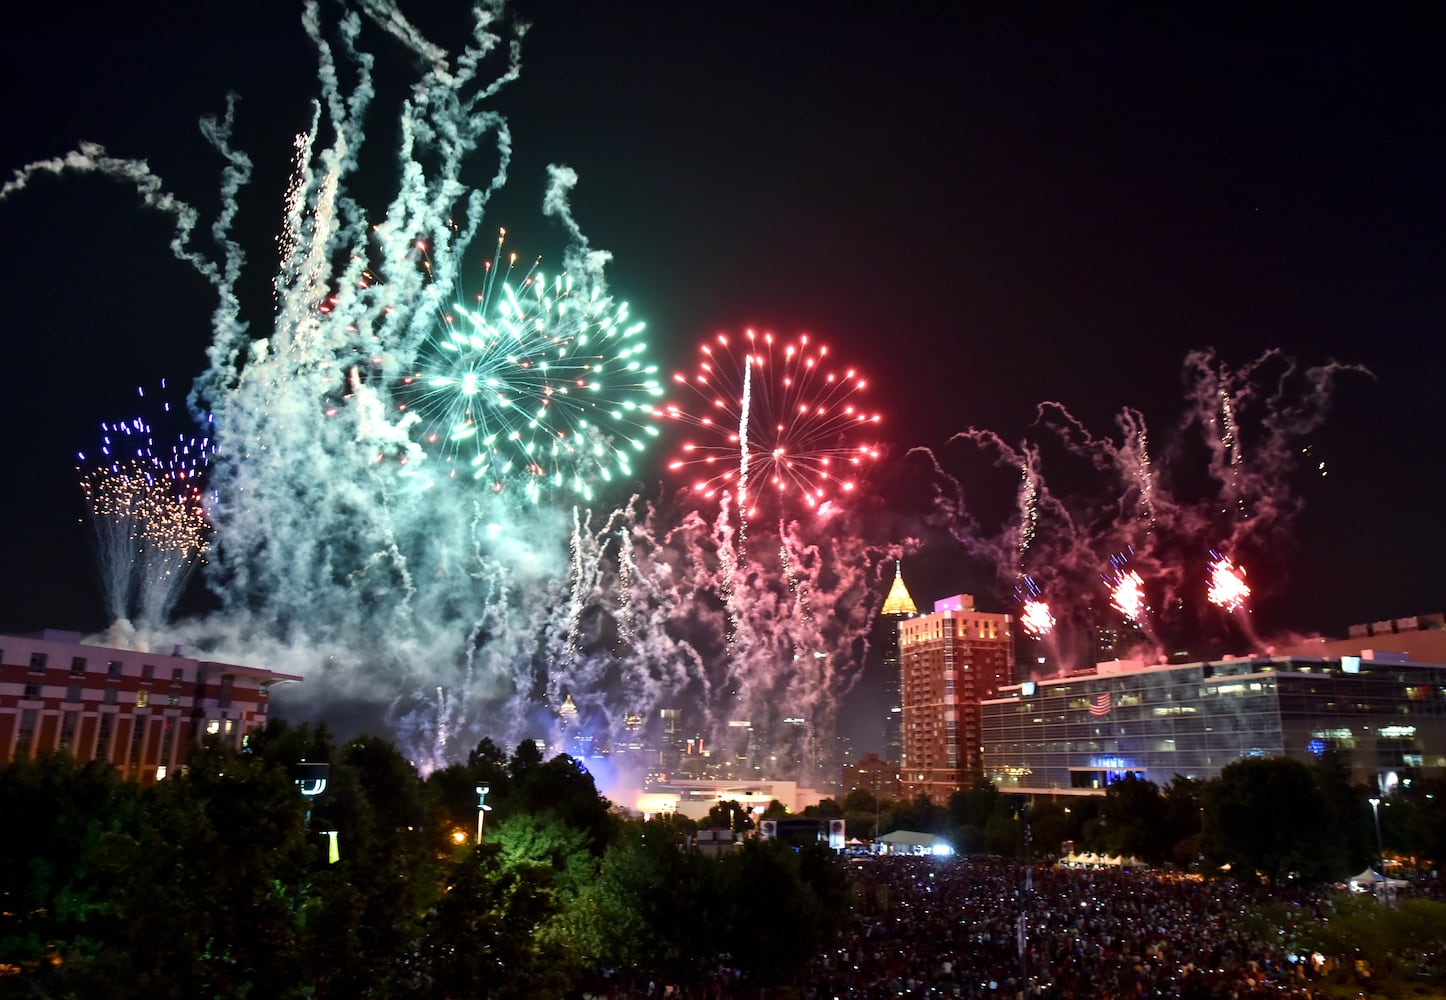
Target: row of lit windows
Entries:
(39, 663)
(75, 694)
(29, 717)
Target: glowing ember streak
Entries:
(1128, 595)
(774, 413)
(1228, 588)
(1036, 619)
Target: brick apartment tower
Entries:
(950, 661)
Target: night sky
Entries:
(981, 211)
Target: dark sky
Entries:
(983, 210)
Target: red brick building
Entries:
(949, 662)
(141, 711)
(874, 775)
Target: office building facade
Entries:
(1384, 716)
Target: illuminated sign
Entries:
(1351, 664)
(1027, 689)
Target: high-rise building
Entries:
(898, 607)
(951, 661)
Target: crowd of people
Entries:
(955, 930)
(943, 928)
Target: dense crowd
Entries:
(951, 928)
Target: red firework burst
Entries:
(772, 418)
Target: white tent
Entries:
(1369, 880)
(910, 842)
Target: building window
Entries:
(213, 727)
(138, 740)
(173, 701)
(25, 735)
(148, 671)
(72, 692)
(177, 675)
(77, 666)
(67, 729)
(110, 698)
(224, 701)
(32, 692)
(143, 698)
(102, 743)
(113, 671)
(168, 736)
(37, 663)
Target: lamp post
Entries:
(482, 808)
(1376, 816)
(1380, 850)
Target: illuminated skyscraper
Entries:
(951, 661)
(898, 607)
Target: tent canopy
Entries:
(912, 841)
(1369, 879)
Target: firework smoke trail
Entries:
(622, 575)
(437, 604)
(800, 431)
(1131, 495)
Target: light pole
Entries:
(482, 808)
(1380, 850)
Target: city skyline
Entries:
(980, 215)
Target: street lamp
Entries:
(1376, 815)
(482, 808)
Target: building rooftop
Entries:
(899, 602)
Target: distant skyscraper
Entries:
(898, 607)
(951, 661)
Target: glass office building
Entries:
(1077, 734)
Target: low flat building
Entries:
(141, 711)
(1382, 713)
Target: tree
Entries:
(775, 810)
(67, 821)
(207, 890)
(652, 908)
(771, 932)
(1183, 802)
(729, 816)
(527, 756)
(360, 915)
(921, 815)
(1264, 814)
(1134, 816)
(487, 754)
(969, 813)
(1351, 842)
(480, 940)
(563, 788)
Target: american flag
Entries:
(1100, 704)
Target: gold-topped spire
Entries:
(899, 602)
